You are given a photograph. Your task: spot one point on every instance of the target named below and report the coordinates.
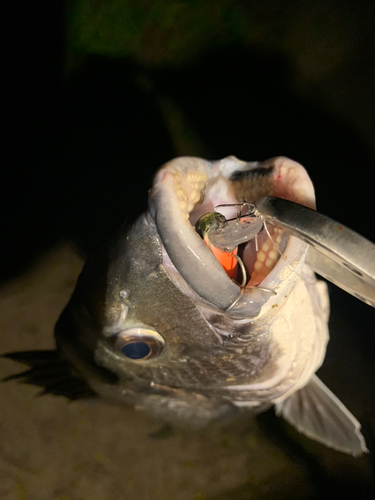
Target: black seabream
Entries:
(202, 308)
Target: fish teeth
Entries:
(195, 196)
(258, 265)
(272, 255)
(189, 189)
(266, 246)
(261, 256)
(267, 257)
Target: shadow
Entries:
(83, 166)
(84, 150)
(244, 102)
(310, 460)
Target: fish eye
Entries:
(136, 350)
(139, 344)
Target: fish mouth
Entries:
(242, 278)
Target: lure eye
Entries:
(139, 344)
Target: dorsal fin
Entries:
(49, 371)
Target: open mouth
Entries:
(206, 216)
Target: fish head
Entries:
(156, 320)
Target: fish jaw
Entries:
(187, 187)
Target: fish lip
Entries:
(194, 261)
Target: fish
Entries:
(201, 309)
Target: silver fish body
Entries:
(156, 322)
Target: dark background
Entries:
(89, 118)
(86, 129)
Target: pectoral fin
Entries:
(316, 412)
